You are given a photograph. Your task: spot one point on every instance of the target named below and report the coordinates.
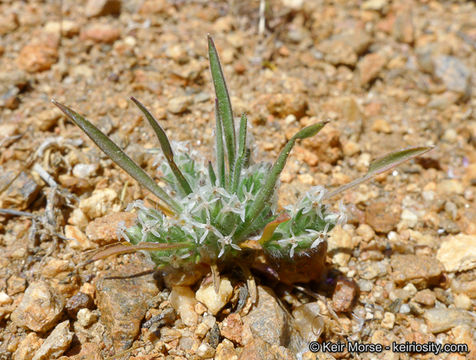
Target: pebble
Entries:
(15, 285)
(99, 203)
(258, 349)
(182, 299)
(403, 28)
(382, 216)
(343, 49)
(95, 8)
(77, 302)
(104, 230)
(463, 301)
(442, 319)
(37, 57)
(370, 269)
(365, 285)
(425, 297)
(458, 253)
(370, 66)
(382, 126)
(86, 317)
(56, 343)
(421, 270)
(340, 246)
(409, 218)
(89, 351)
(283, 105)
(39, 309)
(465, 287)
(366, 232)
(20, 193)
(205, 351)
(207, 323)
(225, 351)
(453, 72)
(388, 320)
(215, 302)
(267, 319)
(450, 186)
(67, 28)
(5, 299)
(85, 170)
(123, 302)
(309, 321)
(76, 239)
(232, 328)
(27, 347)
(100, 33)
(293, 4)
(179, 104)
(46, 119)
(8, 22)
(345, 293)
(376, 5)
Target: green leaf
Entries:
(165, 145)
(119, 157)
(268, 188)
(219, 146)
(381, 165)
(241, 153)
(211, 174)
(224, 104)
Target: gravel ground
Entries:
(388, 74)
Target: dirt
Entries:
(388, 74)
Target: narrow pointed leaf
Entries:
(224, 104)
(240, 159)
(165, 145)
(381, 165)
(118, 156)
(127, 248)
(211, 174)
(268, 188)
(220, 155)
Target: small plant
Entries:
(217, 214)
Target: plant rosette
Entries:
(225, 213)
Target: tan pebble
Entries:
(200, 308)
(388, 320)
(78, 218)
(37, 57)
(100, 33)
(205, 350)
(366, 232)
(458, 253)
(104, 230)
(182, 299)
(56, 343)
(99, 203)
(27, 347)
(77, 239)
(215, 301)
(463, 301)
(40, 308)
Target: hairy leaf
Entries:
(165, 145)
(381, 165)
(224, 104)
(120, 157)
